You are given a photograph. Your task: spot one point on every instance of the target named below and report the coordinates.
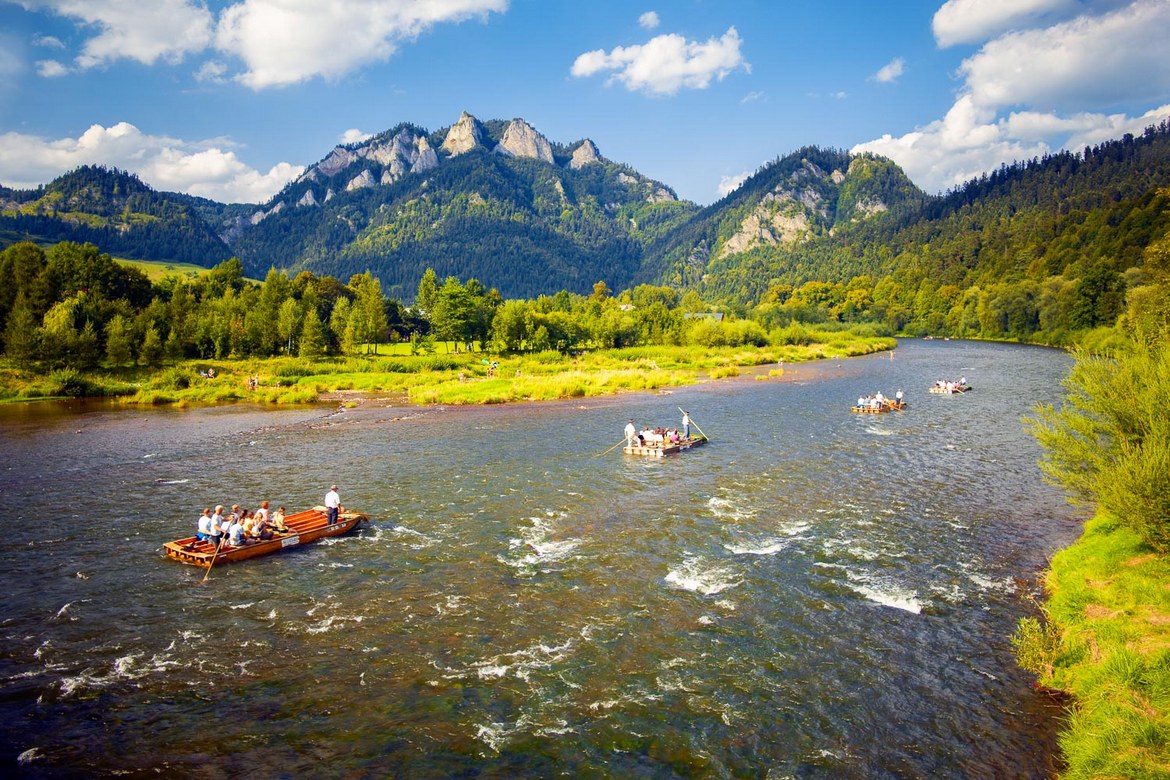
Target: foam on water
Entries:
(700, 575)
(725, 509)
(880, 591)
(766, 547)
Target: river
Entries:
(814, 593)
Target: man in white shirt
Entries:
(332, 502)
(631, 433)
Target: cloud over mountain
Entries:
(1046, 82)
(667, 63)
(207, 169)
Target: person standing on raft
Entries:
(332, 502)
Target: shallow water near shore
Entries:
(814, 593)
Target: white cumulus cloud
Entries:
(148, 32)
(1032, 92)
(354, 136)
(284, 42)
(1090, 61)
(51, 69)
(210, 169)
(972, 21)
(890, 71)
(649, 20)
(729, 184)
(667, 63)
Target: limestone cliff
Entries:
(584, 154)
(521, 140)
(464, 135)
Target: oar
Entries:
(697, 428)
(611, 449)
(213, 557)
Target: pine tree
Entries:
(151, 351)
(21, 337)
(312, 336)
(118, 341)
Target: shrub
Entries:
(1110, 442)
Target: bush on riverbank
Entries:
(1106, 635)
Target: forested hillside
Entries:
(402, 202)
(1043, 249)
(112, 209)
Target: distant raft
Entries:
(664, 448)
(885, 406)
(304, 527)
(949, 388)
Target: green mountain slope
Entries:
(533, 220)
(1069, 216)
(115, 211)
(787, 207)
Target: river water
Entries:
(814, 593)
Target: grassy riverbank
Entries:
(1105, 637)
(449, 378)
(1106, 642)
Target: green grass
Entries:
(441, 377)
(1107, 643)
(157, 270)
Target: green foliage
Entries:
(115, 210)
(1110, 441)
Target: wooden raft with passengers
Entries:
(660, 448)
(303, 528)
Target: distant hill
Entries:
(490, 200)
(114, 210)
(790, 204)
(1062, 215)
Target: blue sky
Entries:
(230, 99)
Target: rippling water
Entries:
(813, 594)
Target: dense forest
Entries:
(114, 210)
(1062, 249)
(529, 226)
(1044, 250)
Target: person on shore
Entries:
(686, 423)
(332, 503)
(203, 529)
(631, 433)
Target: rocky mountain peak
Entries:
(464, 135)
(521, 140)
(585, 154)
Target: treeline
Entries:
(73, 306)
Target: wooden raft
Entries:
(659, 451)
(304, 528)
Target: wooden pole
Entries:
(213, 557)
(611, 449)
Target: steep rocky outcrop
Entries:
(464, 135)
(585, 154)
(521, 140)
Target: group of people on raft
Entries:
(657, 437)
(950, 386)
(878, 401)
(240, 526)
